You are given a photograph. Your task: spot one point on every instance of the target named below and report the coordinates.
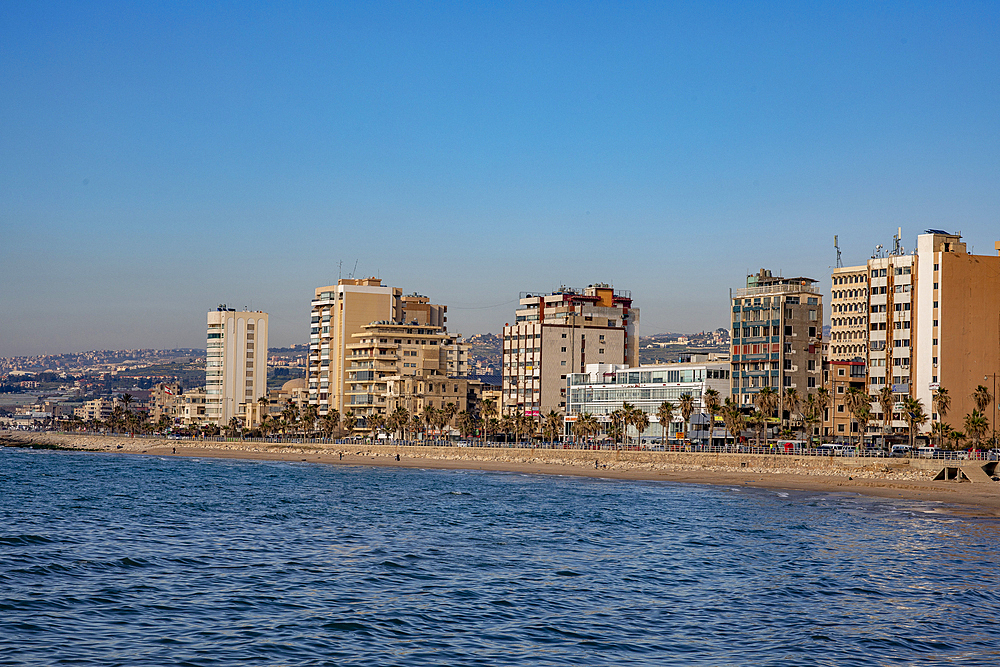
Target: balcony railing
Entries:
(776, 289)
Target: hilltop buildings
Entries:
(236, 363)
(560, 333)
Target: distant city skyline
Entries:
(159, 160)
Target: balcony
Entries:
(768, 290)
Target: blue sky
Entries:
(157, 159)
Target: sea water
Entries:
(140, 560)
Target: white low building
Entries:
(604, 388)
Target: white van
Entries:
(900, 451)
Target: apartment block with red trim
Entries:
(559, 333)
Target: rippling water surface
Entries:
(128, 560)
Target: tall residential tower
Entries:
(777, 336)
(235, 364)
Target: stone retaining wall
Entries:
(872, 468)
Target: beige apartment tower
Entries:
(235, 363)
(931, 319)
(557, 334)
(338, 312)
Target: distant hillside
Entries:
(485, 353)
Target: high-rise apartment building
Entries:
(384, 353)
(777, 336)
(560, 333)
(932, 320)
(235, 364)
(338, 312)
(354, 342)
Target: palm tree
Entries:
(628, 411)
(942, 431)
(734, 419)
(981, 397)
(466, 423)
(857, 403)
(263, 403)
(640, 420)
(766, 401)
(913, 412)
(330, 422)
(235, 427)
(863, 415)
(429, 416)
(350, 421)
(686, 404)
(791, 403)
(308, 415)
(552, 426)
(448, 414)
(488, 411)
(941, 403)
(376, 423)
(398, 421)
(710, 401)
(758, 420)
(665, 415)
(956, 438)
(586, 425)
(976, 426)
(886, 401)
(617, 423)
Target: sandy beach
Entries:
(887, 478)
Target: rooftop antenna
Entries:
(355, 268)
(836, 245)
(340, 270)
(897, 248)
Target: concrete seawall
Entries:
(833, 466)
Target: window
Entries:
(600, 351)
(788, 330)
(562, 363)
(811, 365)
(935, 304)
(812, 332)
(840, 390)
(564, 335)
(788, 364)
(564, 349)
(935, 285)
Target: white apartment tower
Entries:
(236, 362)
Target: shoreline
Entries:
(903, 479)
